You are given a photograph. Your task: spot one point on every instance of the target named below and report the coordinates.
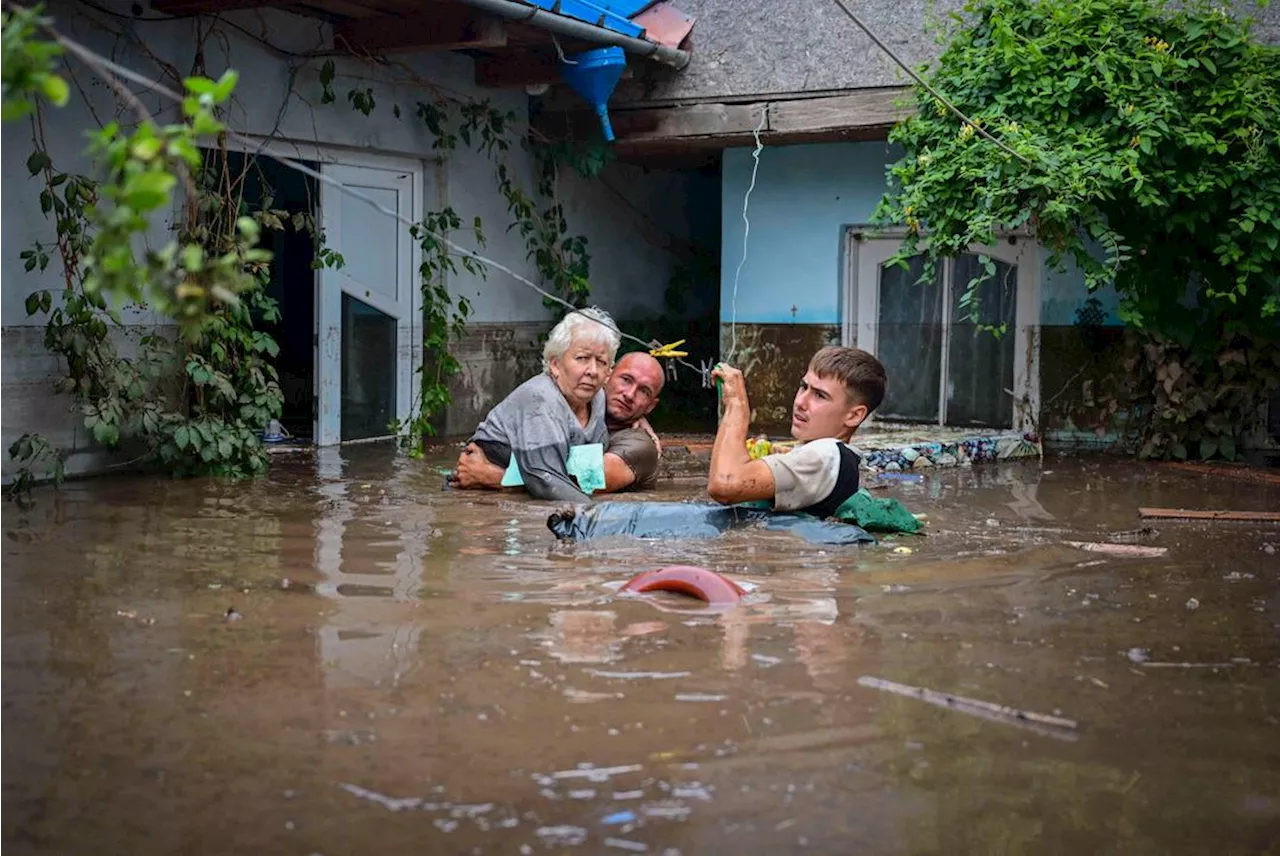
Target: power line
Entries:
(844, 7)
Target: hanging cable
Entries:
(982, 132)
(746, 235)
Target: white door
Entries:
(943, 368)
(367, 338)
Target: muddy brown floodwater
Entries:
(345, 659)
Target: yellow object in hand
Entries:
(758, 448)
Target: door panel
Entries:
(911, 336)
(942, 368)
(980, 364)
(365, 309)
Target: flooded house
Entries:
(739, 155)
(357, 91)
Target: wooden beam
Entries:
(869, 108)
(208, 7)
(856, 115)
(517, 68)
(448, 26)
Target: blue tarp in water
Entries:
(693, 521)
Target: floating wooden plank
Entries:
(448, 26)
(1204, 514)
(1131, 551)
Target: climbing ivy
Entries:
(208, 421)
(210, 278)
(1148, 152)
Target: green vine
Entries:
(194, 403)
(1148, 154)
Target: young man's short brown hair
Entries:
(862, 374)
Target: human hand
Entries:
(643, 424)
(734, 386)
(475, 471)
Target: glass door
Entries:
(365, 341)
(944, 366)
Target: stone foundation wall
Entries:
(774, 357)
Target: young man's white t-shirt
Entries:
(807, 475)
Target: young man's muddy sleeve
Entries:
(638, 451)
(804, 476)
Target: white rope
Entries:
(746, 235)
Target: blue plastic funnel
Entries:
(594, 74)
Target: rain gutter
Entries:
(526, 14)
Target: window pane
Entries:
(909, 341)
(368, 370)
(980, 365)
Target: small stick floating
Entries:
(1201, 514)
(968, 705)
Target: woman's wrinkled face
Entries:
(581, 371)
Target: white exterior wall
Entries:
(629, 273)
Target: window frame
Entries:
(867, 248)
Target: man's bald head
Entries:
(634, 387)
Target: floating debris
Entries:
(670, 811)
(1193, 604)
(1129, 551)
(565, 836)
(692, 792)
(623, 844)
(1138, 655)
(700, 697)
(584, 696)
(975, 707)
(596, 774)
(618, 817)
(389, 803)
(626, 676)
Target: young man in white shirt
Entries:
(838, 392)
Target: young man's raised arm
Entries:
(734, 477)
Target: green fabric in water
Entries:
(877, 515)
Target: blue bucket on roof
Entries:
(594, 74)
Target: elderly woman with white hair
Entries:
(532, 432)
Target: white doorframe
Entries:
(421, 175)
(407, 179)
(867, 250)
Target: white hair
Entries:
(592, 325)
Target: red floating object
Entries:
(684, 579)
